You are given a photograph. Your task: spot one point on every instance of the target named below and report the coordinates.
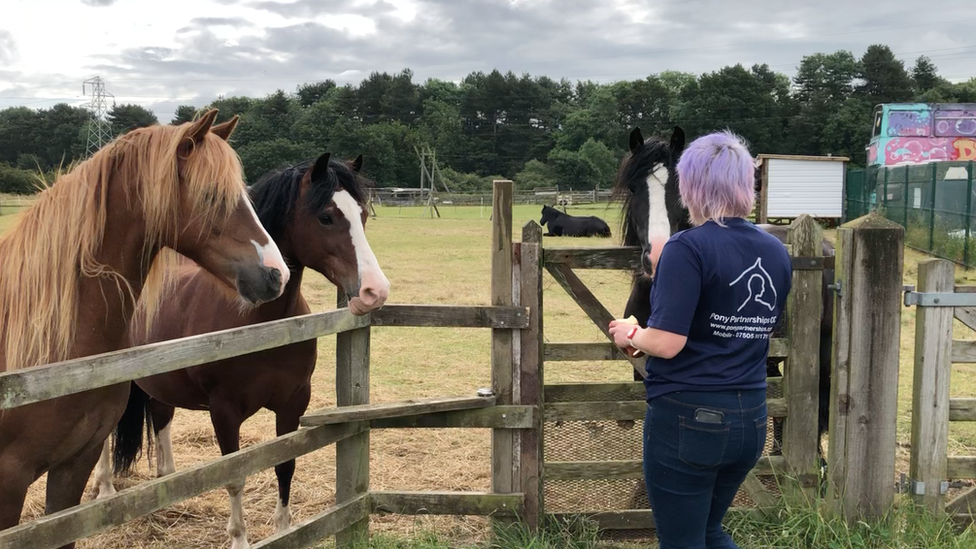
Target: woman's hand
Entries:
(622, 332)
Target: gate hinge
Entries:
(938, 299)
(917, 487)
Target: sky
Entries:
(164, 53)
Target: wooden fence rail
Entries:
(29, 385)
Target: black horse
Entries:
(563, 224)
(647, 183)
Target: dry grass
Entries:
(440, 261)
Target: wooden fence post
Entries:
(801, 376)
(352, 454)
(531, 373)
(864, 415)
(504, 478)
(930, 390)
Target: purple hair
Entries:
(716, 178)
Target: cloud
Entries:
(316, 8)
(8, 48)
(98, 3)
(234, 22)
(263, 45)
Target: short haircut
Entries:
(716, 178)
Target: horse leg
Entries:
(103, 472)
(66, 481)
(287, 422)
(772, 370)
(162, 420)
(227, 425)
(16, 481)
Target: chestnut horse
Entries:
(317, 214)
(76, 264)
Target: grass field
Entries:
(428, 261)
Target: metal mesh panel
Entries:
(611, 440)
(598, 395)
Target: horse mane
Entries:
(56, 242)
(276, 194)
(635, 167)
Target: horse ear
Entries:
(224, 130)
(357, 164)
(195, 133)
(200, 127)
(636, 140)
(321, 166)
(677, 142)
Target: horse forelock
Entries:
(277, 193)
(55, 243)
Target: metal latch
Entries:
(836, 287)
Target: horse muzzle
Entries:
(373, 291)
(260, 284)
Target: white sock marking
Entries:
(165, 464)
(235, 525)
(282, 516)
(103, 472)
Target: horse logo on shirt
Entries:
(759, 284)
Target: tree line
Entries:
(534, 129)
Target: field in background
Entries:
(431, 261)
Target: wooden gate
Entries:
(938, 301)
(593, 431)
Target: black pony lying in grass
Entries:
(563, 224)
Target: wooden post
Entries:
(840, 367)
(872, 247)
(530, 371)
(503, 477)
(801, 376)
(930, 390)
(763, 192)
(352, 454)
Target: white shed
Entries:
(791, 185)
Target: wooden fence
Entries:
(518, 408)
(939, 301)
(511, 410)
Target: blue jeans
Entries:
(693, 469)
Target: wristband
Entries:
(630, 339)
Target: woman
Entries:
(719, 290)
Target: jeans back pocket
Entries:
(702, 445)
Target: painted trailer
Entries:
(919, 133)
(790, 185)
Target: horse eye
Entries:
(325, 219)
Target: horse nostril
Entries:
(369, 296)
(274, 276)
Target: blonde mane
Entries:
(55, 244)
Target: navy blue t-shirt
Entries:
(725, 289)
